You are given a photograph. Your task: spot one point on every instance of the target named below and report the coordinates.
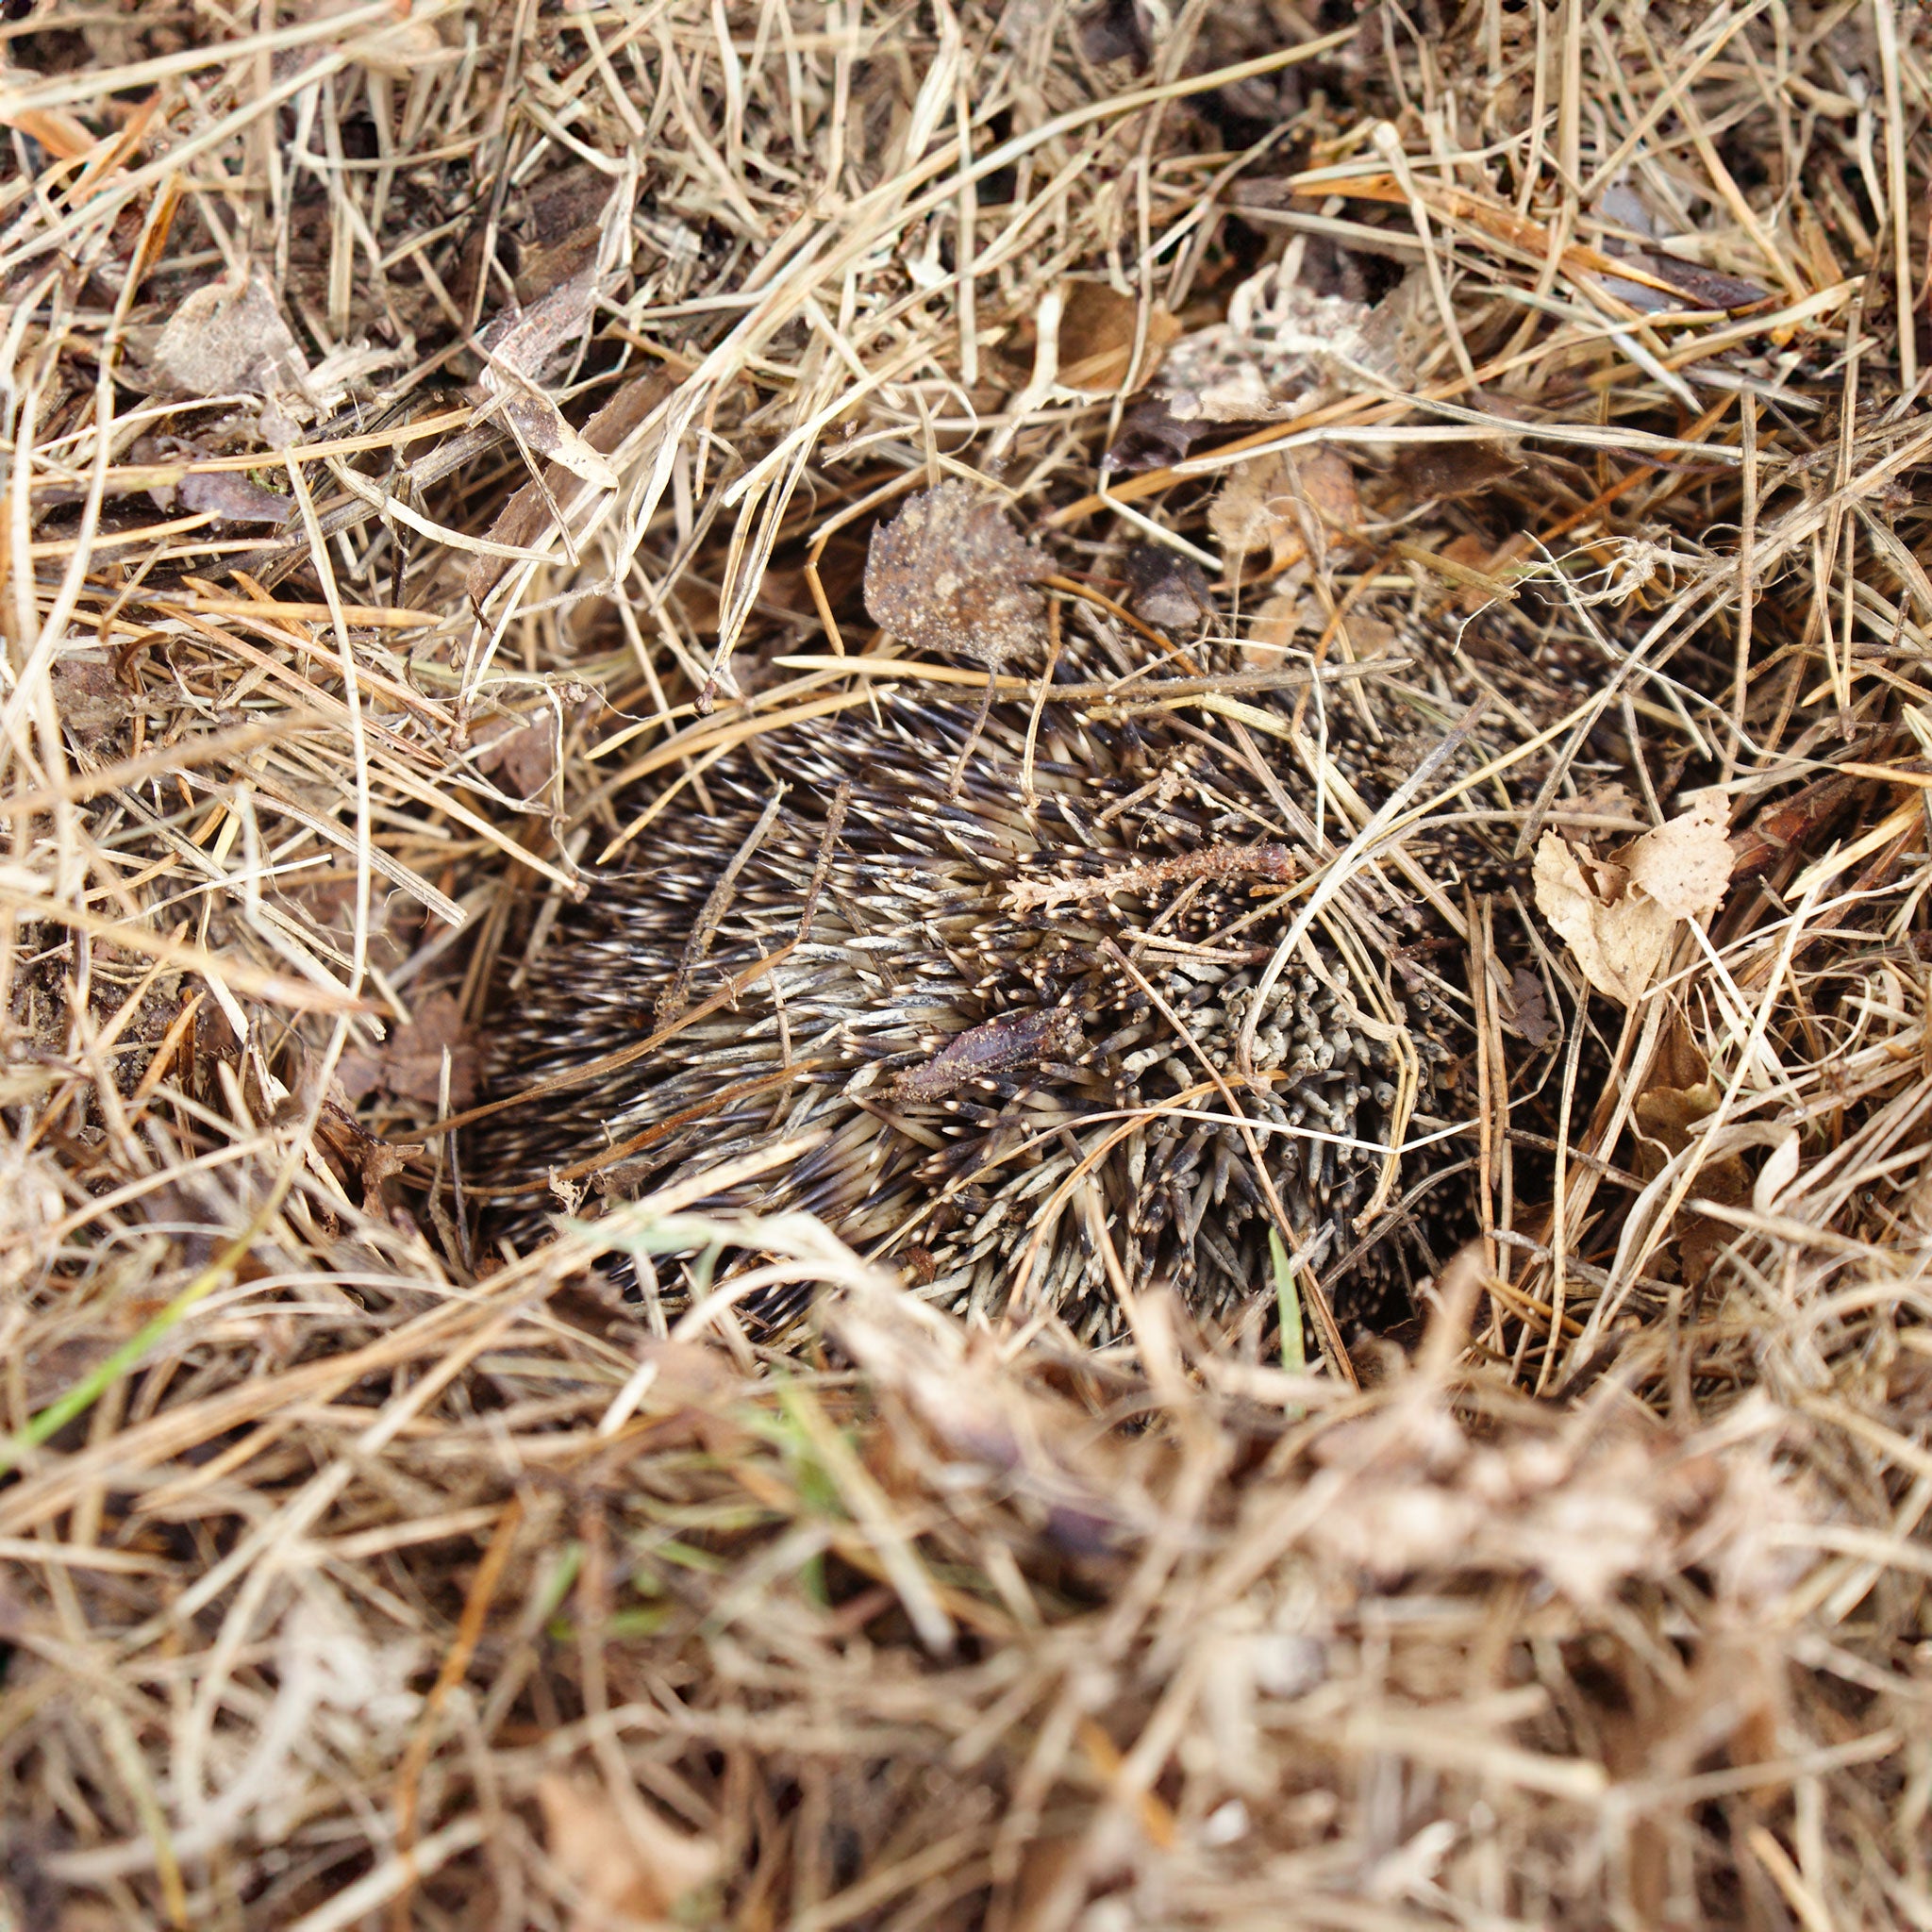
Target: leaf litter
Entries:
(410, 410)
(1620, 914)
(950, 574)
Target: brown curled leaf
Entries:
(1003, 1044)
(950, 574)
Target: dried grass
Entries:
(350, 1578)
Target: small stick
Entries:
(986, 697)
(1272, 861)
(670, 1001)
(834, 823)
(1053, 658)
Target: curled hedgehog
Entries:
(1042, 1035)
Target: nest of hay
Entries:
(437, 435)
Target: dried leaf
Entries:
(1153, 433)
(995, 1424)
(1586, 1515)
(561, 229)
(1246, 514)
(624, 1865)
(1619, 916)
(1685, 864)
(1215, 378)
(524, 754)
(541, 425)
(1096, 336)
(228, 338)
(521, 344)
(1250, 369)
(229, 494)
(560, 207)
(1464, 567)
(1324, 478)
(91, 702)
(52, 1370)
(1666, 1116)
(29, 1204)
(525, 340)
(1531, 1019)
(526, 516)
(1432, 471)
(1167, 589)
(1277, 503)
(1607, 798)
(408, 1065)
(1616, 945)
(1699, 287)
(950, 574)
(1274, 629)
(1116, 30)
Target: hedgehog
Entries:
(1032, 1031)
